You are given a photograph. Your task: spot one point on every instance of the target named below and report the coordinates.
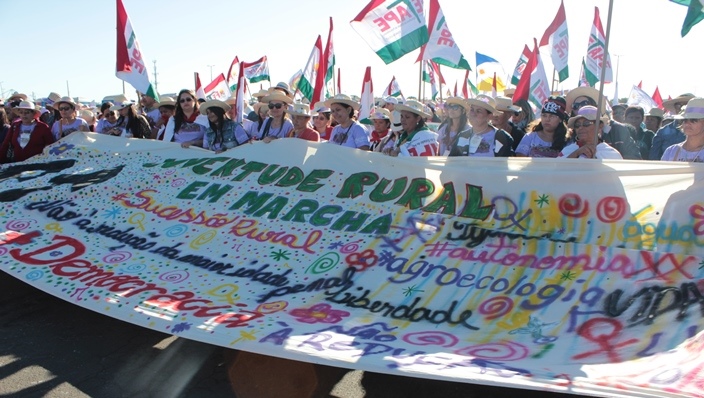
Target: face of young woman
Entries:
(550, 121)
(693, 127)
(409, 121)
(381, 125)
(320, 122)
(478, 116)
(276, 109)
(341, 113)
(212, 117)
(26, 115)
(186, 102)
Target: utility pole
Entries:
(614, 101)
(211, 72)
(156, 84)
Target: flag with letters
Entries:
(596, 54)
(556, 36)
(130, 62)
(441, 47)
(257, 71)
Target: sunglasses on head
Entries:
(585, 123)
(277, 106)
(187, 99)
(580, 104)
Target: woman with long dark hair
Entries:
(187, 126)
(222, 133)
(130, 124)
(546, 137)
(456, 121)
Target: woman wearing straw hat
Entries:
(456, 109)
(277, 125)
(322, 123)
(68, 122)
(301, 115)
(587, 130)
(691, 150)
(415, 139)
(482, 140)
(27, 137)
(187, 126)
(382, 126)
(223, 133)
(348, 132)
(166, 107)
(130, 124)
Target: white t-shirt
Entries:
(276, 132)
(61, 131)
(678, 154)
(603, 151)
(354, 136)
(422, 143)
(25, 134)
(104, 125)
(188, 132)
(533, 146)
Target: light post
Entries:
(211, 72)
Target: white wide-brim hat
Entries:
(413, 107)
(342, 99)
(694, 110)
(213, 104)
(484, 102)
(301, 109)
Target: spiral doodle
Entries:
(18, 225)
(324, 264)
(434, 338)
(176, 230)
(133, 268)
(611, 209)
(202, 239)
(495, 307)
(272, 307)
(503, 351)
(174, 276)
(117, 256)
(350, 247)
(178, 182)
(572, 205)
(3, 251)
(169, 172)
(34, 275)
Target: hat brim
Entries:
(670, 104)
(407, 108)
(481, 104)
(589, 92)
(311, 114)
(166, 103)
(213, 104)
(277, 97)
(118, 107)
(347, 102)
(458, 101)
(572, 120)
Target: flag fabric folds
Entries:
(695, 14)
(329, 57)
(239, 95)
(431, 74)
(520, 65)
(294, 80)
(486, 67)
(557, 37)
(657, 97)
(469, 90)
(533, 85)
(217, 89)
(130, 62)
(232, 74)
(307, 84)
(596, 54)
(640, 97)
(392, 28)
(257, 71)
(366, 100)
(393, 89)
(200, 92)
(441, 47)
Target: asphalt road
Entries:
(51, 348)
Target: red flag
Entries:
(239, 95)
(200, 93)
(123, 56)
(465, 90)
(640, 85)
(233, 65)
(523, 86)
(657, 97)
(493, 86)
(455, 93)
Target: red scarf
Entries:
(378, 135)
(192, 118)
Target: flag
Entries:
(392, 28)
(130, 62)
(595, 54)
(695, 13)
(257, 71)
(657, 97)
(533, 85)
(472, 91)
(640, 84)
(494, 91)
(200, 93)
(232, 74)
(310, 73)
(366, 100)
(640, 97)
(486, 67)
(520, 65)
(295, 80)
(329, 57)
(217, 89)
(582, 76)
(556, 36)
(239, 95)
(393, 89)
(455, 93)
(431, 74)
(441, 47)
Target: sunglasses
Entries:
(25, 112)
(65, 108)
(455, 107)
(691, 120)
(187, 99)
(277, 106)
(583, 124)
(580, 104)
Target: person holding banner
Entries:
(27, 137)
(455, 123)
(348, 132)
(382, 124)
(482, 140)
(416, 139)
(223, 133)
(585, 127)
(68, 122)
(301, 115)
(691, 150)
(549, 135)
(187, 126)
(130, 124)
(167, 107)
(322, 123)
(276, 125)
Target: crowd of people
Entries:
(567, 126)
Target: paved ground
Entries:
(51, 348)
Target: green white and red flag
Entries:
(366, 100)
(392, 28)
(557, 37)
(130, 62)
(307, 84)
(596, 54)
(239, 95)
(533, 85)
(441, 47)
(257, 71)
(520, 65)
(329, 57)
(232, 76)
(200, 92)
(217, 89)
(393, 89)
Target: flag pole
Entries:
(599, 104)
(552, 85)
(420, 78)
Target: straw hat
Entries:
(166, 101)
(301, 109)
(414, 107)
(458, 101)
(380, 114)
(261, 93)
(213, 103)
(86, 115)
(509, 92)
(586, 112)
(275, 95)
(51, 99)
(484, 102)
(17, 97)
(27, 105)
(320, 107)
(67, 100)
(694, 110)
(280, 86)
(655, 112)
(669, 105)
(585, 91)
(390, 100)
(342, 99)
(505, 104)
(396, 121)
(121, 105)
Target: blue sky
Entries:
(50, 43)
